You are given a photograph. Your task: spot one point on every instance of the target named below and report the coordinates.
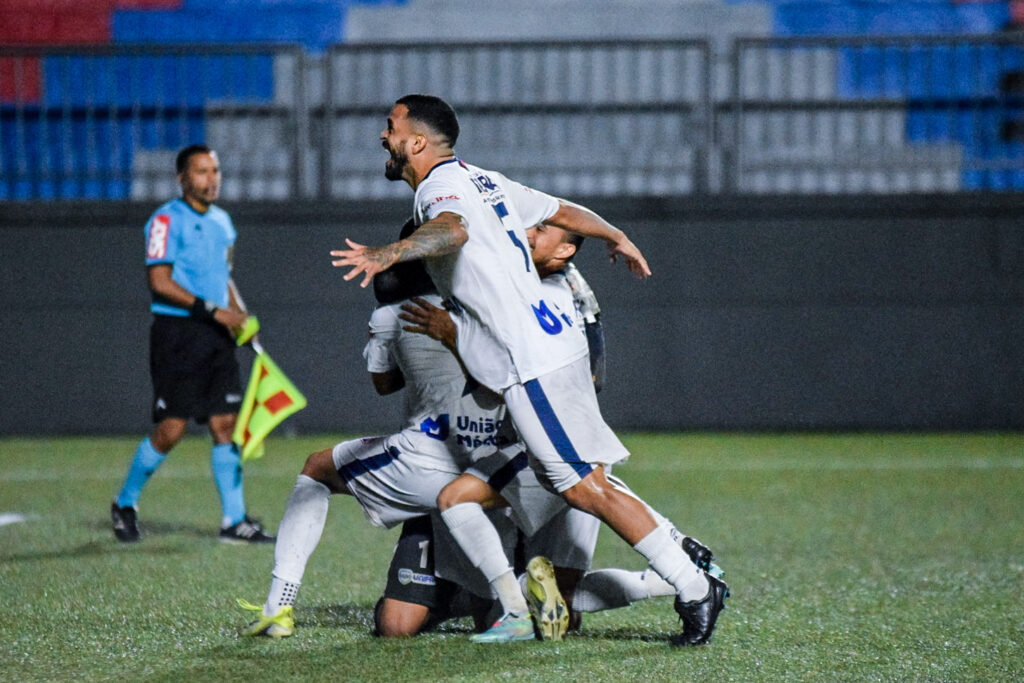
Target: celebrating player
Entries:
(471, 236)
(394, 478)
(560, 539)
(196, 313)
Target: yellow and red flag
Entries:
(269, 399)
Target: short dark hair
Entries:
(576, 240)
(181, 163)
(434, 112)
(403, 280)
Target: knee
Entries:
(448, 497)
(588, 495)
(394, 619)
(466, 489)
(222, 427)
(167, 434)
(320, 466)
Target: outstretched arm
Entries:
(583, 221)
(442, 235)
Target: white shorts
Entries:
(565, 536)
(558, 419)
(389, 484)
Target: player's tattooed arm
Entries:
(442, 235)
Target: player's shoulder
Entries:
(385, 317)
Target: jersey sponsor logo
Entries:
(548, 322)
(158, 234)
(477, 432)
(407, 576)
(483, 183)
(438, 200)
(436, 429)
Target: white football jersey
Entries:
(492, 277)
(446, 416)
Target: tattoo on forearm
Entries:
(430, 239)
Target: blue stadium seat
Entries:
(313, 25)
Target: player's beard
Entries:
(395, 166)
(204, 196)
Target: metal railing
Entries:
(669, 118)
(105, 122)
(881, 114)
(578, 118)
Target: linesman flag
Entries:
(269, 399)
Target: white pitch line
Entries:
(11, 518)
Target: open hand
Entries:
(366, 260)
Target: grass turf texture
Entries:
(850, 557)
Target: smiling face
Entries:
(395, 139)
(200, 181)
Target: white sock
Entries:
(480, 541)
(297, 538)
(282, 594)
(672, 564)
(612, 588)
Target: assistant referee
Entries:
(196, 313)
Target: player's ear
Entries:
(419, 143)
(565, 250)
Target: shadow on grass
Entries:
(624, 633)
(356, 617)
(90, 549)
(163, 528)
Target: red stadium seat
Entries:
(19, 80)
(76, 27)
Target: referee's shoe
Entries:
(125, 521)
(249, 530)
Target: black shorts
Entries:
(194, 370)
(411, 574)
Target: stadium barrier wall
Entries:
(780, 313)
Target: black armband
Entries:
(203, 309)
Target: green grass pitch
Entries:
(850, 557)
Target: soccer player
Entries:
(408, 607)
(471, 236)
(394, 478)
(197, 311)
(553, 530)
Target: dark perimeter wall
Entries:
(763, 313)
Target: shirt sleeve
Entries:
(533, 206)
(161, 238)
(385, 327)
(436, 196)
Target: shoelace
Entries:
(245, 604)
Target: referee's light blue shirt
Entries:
(197, 246)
